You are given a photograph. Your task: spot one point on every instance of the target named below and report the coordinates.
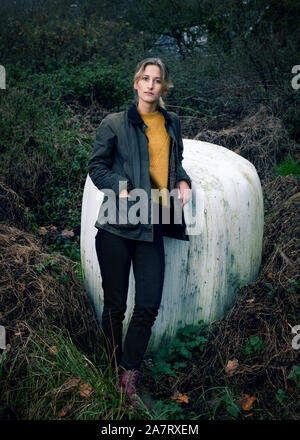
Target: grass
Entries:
(61, 382)
(288, 166)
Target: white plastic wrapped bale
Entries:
(225, 221)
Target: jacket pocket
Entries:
(124, 221)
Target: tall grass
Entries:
(61, 382)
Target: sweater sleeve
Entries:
(102, 158)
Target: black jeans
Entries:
(115, 254)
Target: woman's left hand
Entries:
(184, 192)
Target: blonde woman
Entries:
(139, 149)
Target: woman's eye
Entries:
(146, 78)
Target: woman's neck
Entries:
(145, 107)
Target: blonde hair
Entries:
(165, 75)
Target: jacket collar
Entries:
(135, 118)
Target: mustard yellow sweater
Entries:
(159, 150)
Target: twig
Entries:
(284, 257)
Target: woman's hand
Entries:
(184, 192)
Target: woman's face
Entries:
(149, 87)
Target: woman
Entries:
(137, 149)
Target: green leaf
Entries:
(233, 409)
(185, 353)
(178, 365)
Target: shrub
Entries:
(45, 158)
(189, 342)
(45, 42)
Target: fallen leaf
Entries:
(247, 406)
(246, 401)
(85, 390)
(250, 300)
(231, 367)
(270, 276)
(53, 228)
(53, 350)
(42, 230)
(71, 383)
(180, 397)
(237, 151)
(67, 233)
(64, 411)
